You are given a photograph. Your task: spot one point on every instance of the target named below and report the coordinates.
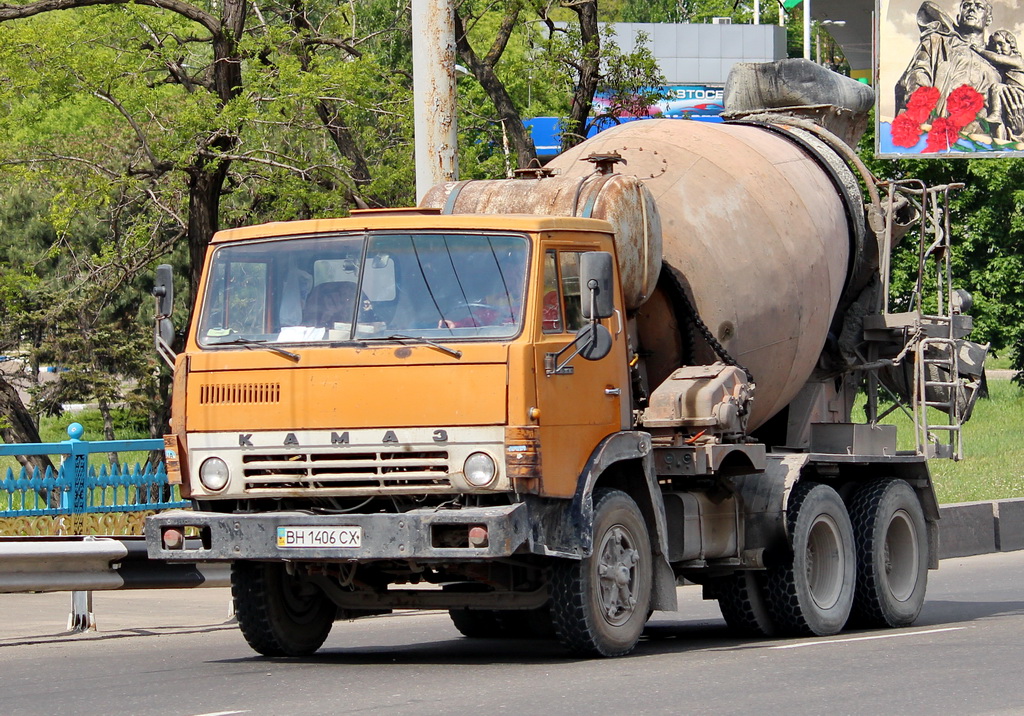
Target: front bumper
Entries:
(424, 534)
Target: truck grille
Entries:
(240, 394)
(339, 473)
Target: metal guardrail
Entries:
(86, 564)
(82, 564)
(78, 488)
(62, 564)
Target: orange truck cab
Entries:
(398, 397)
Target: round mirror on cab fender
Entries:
(595, 341)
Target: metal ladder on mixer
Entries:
(937, 385)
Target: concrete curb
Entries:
(970, 528)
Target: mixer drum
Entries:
(758, 232)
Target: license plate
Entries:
(313, 537)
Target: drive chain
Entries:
(702, 328)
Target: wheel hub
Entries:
(617, 575)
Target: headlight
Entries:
(213, 473)
(479, 469)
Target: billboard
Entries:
(680, 102)
(950, 78)
(692, 101)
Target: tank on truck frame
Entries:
(551, 398)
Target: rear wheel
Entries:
(280, 614)
(813, 594)
(478, 623)
(742, 601)
(892, 554)
(503, 623)
(600, 604)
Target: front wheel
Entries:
(279, 613)
(600, 604)
(812, 595)
(892, 554)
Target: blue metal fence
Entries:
(78, 488)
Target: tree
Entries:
(198, 92)
(630, 83)
(126, 131)
(560, 42)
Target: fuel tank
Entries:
(749, 218)
(620, 199)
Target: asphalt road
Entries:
(173, 653)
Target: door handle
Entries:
(612, 391)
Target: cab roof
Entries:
(414, 219)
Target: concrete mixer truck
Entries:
(542, 403)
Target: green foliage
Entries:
(679, 10)
(630, 83)
(108, 118)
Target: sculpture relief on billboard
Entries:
(950, 78)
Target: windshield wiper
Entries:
(257, 345)
(425, 341)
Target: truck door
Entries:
(583, 404)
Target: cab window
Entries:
(552, 302)
(562, 304)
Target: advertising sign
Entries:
(950, 78)
(681, 102)
(692, 101)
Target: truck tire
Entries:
(279, 615)
(498, 623)
(599, 604)
(529, 623)
(478, 623)
(812, 595)
(892, 555)
(503, 623)
(742, 601)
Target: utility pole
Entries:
(433, 88)
(807, 29)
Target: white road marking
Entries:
(224, 713)
(865, 638)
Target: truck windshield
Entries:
(345, 287)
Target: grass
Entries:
(55, 430)
(993, 464)
(1000, 362)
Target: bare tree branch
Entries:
(157, 165)
(98, 168)
(511, 120)
(13, 12)
(508, 24)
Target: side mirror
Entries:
(595, 341)
(163, 289)
(597, 279)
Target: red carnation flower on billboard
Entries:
(964, 103)
(906, 131)
(921, 103)
(944, 134)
